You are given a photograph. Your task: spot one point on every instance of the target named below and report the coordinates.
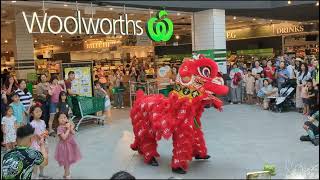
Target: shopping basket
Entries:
(85, 108)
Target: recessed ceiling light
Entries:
(62, 41)
(289, 2)
(111, 9)
(234, 17)
(65, 5)
(254, 19)
(35, 41)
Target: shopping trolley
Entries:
(85, 108)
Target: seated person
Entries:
(312, 129)
(267, 92)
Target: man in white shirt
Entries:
(257, 69)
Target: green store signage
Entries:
(159, 28)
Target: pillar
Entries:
(208, 35)
(24, 51)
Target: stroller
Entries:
(285, 100)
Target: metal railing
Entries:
(149, 87)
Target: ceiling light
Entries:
(270, 20)
(5, 41)
(178, 14)
(289, 2)
(13, 1)
(65, 5)
(177, 37)
(111, 9)
(62, 41)
(35, 41)
(234, 17)
(61, 36)
(311, 23)
(317, 4)
(254, 19)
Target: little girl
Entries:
(249, 80)
(19, 112)
(67, 150)
(40, 133)
(308, 95)
(62, 105)
(101, 93)
(9, 127)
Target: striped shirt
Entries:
(25, 98)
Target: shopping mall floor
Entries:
(240, 139)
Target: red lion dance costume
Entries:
(155, 116)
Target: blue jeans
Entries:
(119, 99)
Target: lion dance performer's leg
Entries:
(144, 142)
(199, 146)
(182, 142)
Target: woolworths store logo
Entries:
(158, 28)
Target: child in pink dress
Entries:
(67, 150)
(40, 133)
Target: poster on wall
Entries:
(82, 84)
(164, 77)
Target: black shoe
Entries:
(315, 142)
(179, 170)
(198, 157)
(153, 162)
(305, 138)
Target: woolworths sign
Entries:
(159, 28)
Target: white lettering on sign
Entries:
(289, 29)
(91, 26)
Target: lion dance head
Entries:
(199, 80)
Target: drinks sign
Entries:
(288, 29)
(158, 28)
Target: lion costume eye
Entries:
(205, 71)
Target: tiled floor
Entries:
(241, 139)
